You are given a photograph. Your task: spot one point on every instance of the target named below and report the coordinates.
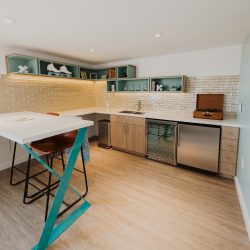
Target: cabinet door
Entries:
(118, 135)
(136, 138)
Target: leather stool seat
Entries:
(53, 144)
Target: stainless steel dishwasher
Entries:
(198, 146)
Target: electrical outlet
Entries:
(242, 163)
(241, 107)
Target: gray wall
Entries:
(243, 169)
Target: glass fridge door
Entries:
(161, 137)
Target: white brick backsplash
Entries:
(43, 94)
(181, 102)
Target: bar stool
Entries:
(13, 167)
(49, 147)
(35, 195)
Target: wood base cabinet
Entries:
(128, 133)
(228, 151)
(118, 135)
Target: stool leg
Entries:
(27, 181)
(13, 165)
(48, 192)
(48, 231)
(63, 163)
(47, 159)
(85, 173)
(86, 185)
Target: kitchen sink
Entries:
(127, 112)
(132, 112)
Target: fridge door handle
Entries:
(178, 135)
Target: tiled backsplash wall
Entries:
(43, 94)
(181, 102)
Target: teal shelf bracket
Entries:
(50, 233)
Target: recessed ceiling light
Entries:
(158, 35)
(92, 50)
(8, 20)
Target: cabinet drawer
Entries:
(127, 119)
(230, 133)
(116, 118)
(134, 120)
(227, 168)
(228, 157)
(229, 145)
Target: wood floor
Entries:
(136, 204)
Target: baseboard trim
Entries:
(242, 205)
(7, 164)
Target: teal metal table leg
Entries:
(49, 233)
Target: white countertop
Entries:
(153, 115)
(25, 127)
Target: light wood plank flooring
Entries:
(136, 204)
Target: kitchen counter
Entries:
(229, 122)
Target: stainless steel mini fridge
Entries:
(104, 140)
(161, 140)
(198, 146)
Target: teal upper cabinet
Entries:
(133, 85)
(120, 78)
(22, 64)
(37, 66)
(51, 68)
(111, 85)
(167, 84)
(98, 73)
(126, 71)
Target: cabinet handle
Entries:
(127, 129)
(178, 135)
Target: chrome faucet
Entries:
(139, 105)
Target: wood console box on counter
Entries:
(128, 133)
(209, 106)
(228, 151)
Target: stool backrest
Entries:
(52, 113)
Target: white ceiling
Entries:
(122, 29)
